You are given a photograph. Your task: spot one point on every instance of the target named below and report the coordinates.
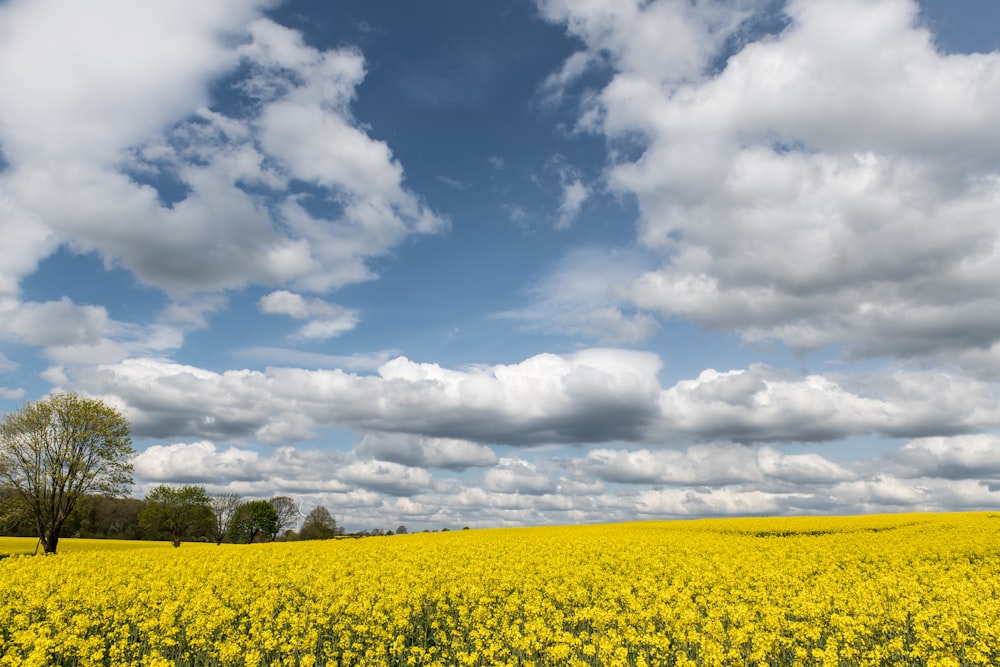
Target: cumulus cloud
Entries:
(110, 113)
(423, 452)
(591, 396)
(386, 477)
(196, 463)
(961, 457)
(71, 333)
(326, 319)
(517, 476)
(26, 241)
(764, 404)
(224, 469)
(9, 394)
(791, 192)
(716, 464)
(714, 502)
(716, 479)
(54, 323)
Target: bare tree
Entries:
(55, 450)
(223, 509)
(288, 513)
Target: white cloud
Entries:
(55, 375)
(71, 333)
(327, 319)
(669, 40)
(6, 364)
(196, 462)
(285, 303)
(68, 332)
(553, 89)
(934, 474)
(574, 194)
(279, 356)
(713, 502)
(801, 468)
(794, 194)
(9, 394)
(328, 328)
(26, 241)
(54, 323)
(958, 457)
(192, 313)
(763, 404)
(591, 396)
(124, 102)
(387, 477)
(584, 294)
(701, 465)
(281, 471)
(711, 465)
(517, 476)
(90, 92)
(449, 453)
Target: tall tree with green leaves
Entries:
(254, 519)
(178, 512)
(55, 450)
(319, 525)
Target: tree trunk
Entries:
(51, 541)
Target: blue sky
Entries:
(473, 263)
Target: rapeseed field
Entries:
(907, 589)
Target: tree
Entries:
(53, 451)
(288, 513)
(319, 525)
(254, 519)
(14, 517)
(100, 516)
(223, 510)
(178, 512)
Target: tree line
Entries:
(178, 514)
(66, 467)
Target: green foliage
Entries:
(319, 525)
(15, 519)
(254, 520)
(100, 516)
(177, 512)
(55, 450)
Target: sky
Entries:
(469, 263)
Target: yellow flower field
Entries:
(879, 590)
(29, 545)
